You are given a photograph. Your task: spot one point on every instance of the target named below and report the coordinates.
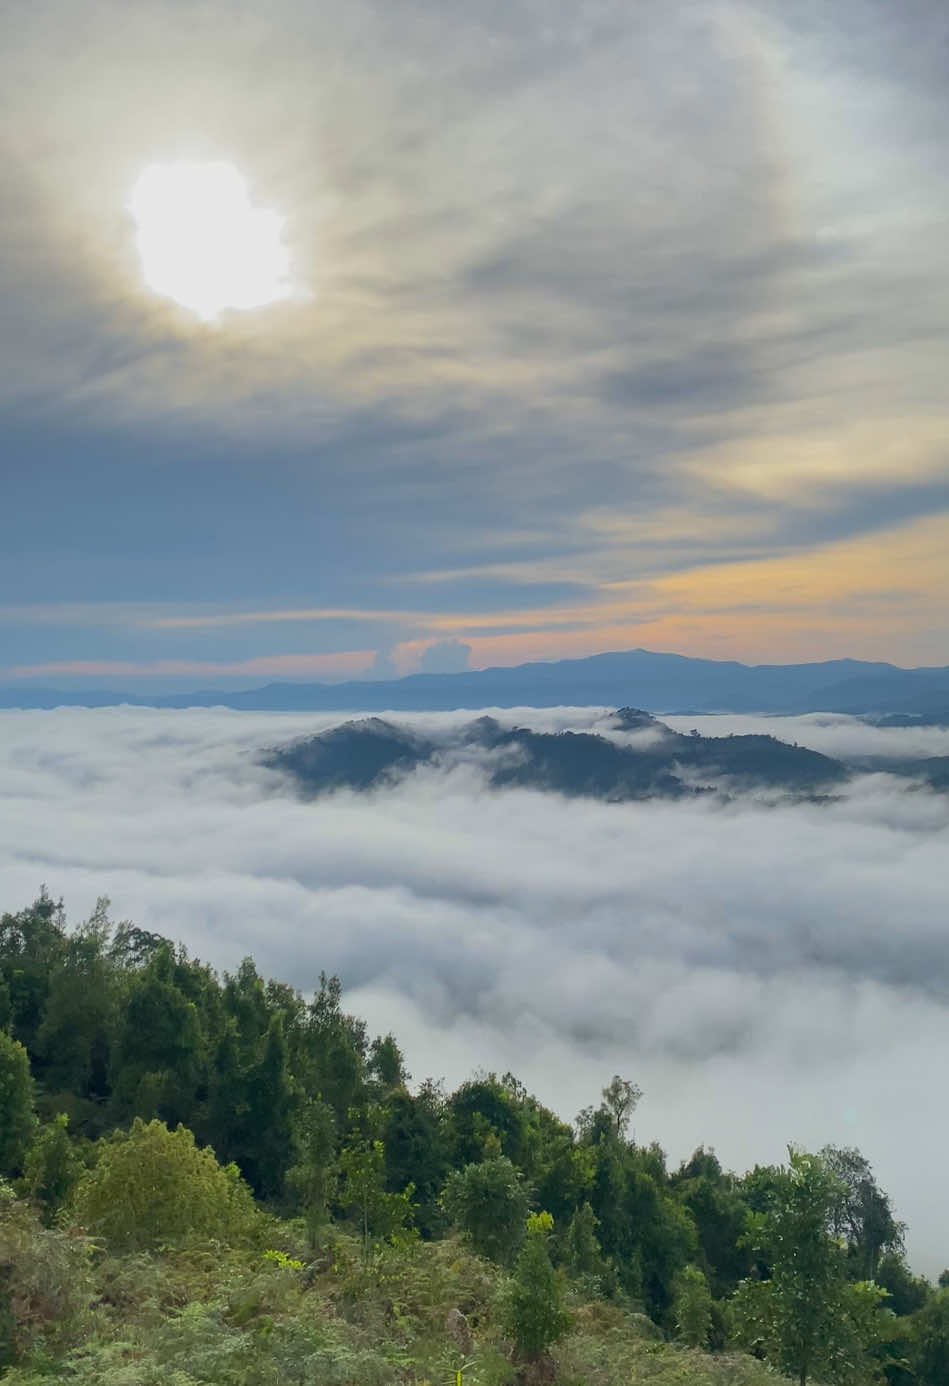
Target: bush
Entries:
(535, 1314)
(152, 1185)
(488, 1202)
(45, 1287)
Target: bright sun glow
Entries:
(203, 243)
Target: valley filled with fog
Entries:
(768, 971)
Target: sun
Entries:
(202, 241)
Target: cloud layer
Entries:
(625, 326)
(765, 973)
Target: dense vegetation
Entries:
(371, 753)
(214, 1180)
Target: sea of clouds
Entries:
(767, 973)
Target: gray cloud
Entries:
(559, 262)
(765, 972)
(445, 657)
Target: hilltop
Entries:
(646, 760)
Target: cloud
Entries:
(766, 973)
(627, 263)
(343, 665)
(445, 657)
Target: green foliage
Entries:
(861, 1213)
(313, 1177)
(692, 1307)
(488, 1202)
(581, 1250)
(80, 1014)
(932, 1340)
(720, 1213)
(807, 1319)
(31, 943)
(17, 1118)
(52, 1167)
(417, 1139)
(151, 1185)
(379, 1214)
(117, 1024)
(905, 1291)
(535, 1316)
(45, 1285)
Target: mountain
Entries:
(659, 763)
(662, 682)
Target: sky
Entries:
(603, 326)
(766, 974)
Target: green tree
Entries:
(153, 1185)
(692, 1307)
(806, 1319)
(79, 1015)
(932, 1340)
(417, 1140)
(364, 1195)
(52, 1167)
(620, 1099)
(157, 1062)
(268, 1145)
(313, 1177)
(581, 1249)
(385, 1066)
(535, 1315)
(861, 1213)
(488, 1202)
(30, 944)
(720, 1214)
(45, 1286)
(17, 1118)
(488, 1120)
(906, 1292)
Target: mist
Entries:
(767, 972)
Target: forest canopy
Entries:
(187, 1153)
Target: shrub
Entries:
(152, 1185)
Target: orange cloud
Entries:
(343, 664)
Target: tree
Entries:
(621, 1098)
(489, 1202)
(270, 1100)
(386, 1064)
(906, 1292)
(364, 1195)
(152, 1185)
(79, 1016)
(157, 1063)
(581, 1250)
(488, 1120)
(692, 1307)
(861, 1213)
(535, 1314)
(52, 1167)
(720, 1215)
(313, 1176)
(17, 1119)
(30, 944)
(806, 1319)
(45, 1285)
(932, 1341)
(417, 1144)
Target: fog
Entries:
(767, 973)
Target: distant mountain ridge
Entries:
(662, 682)
(373, 754)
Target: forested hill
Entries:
(656, 762)
(218, 1180)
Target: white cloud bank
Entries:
(766, 974)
